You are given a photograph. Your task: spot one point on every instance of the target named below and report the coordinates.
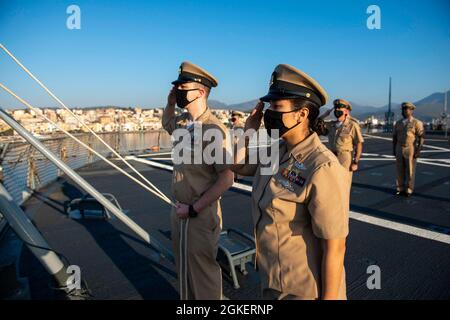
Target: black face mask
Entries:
(274, 120)
(338, 113)
(181, 96)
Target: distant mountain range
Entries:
(243, 106)
(427, 108)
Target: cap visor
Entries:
(179, 82)
(277, 96)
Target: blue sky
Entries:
(127, 52)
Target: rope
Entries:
(183, 273)
(164, 197)
(186, 281)
(80, 121)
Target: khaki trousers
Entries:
(345, 159)
(406, 168)
(271, 294)
(195, 244)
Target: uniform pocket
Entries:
(207, 220)
(344, 137)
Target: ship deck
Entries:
(406, 237)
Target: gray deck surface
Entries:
(118, 265)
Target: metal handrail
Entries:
(16, 168)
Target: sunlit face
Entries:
(407, 112)
(344, 111)
(286, 105)
(192, 94)
(283, 105)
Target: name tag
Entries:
(286, 184)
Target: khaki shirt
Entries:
(406, 132)
(238, 131)
(345, 137)
(305, 201)
(191, 180)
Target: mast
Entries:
(390, 94)
(389, 114)
(445, 113)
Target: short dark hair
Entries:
(316, 124)
(207, 89)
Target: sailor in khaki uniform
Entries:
(344, 135)
(408, 139)
(300, 212)
(197, 187)
(237, 118)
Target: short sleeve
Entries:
(357, 137)
(168, 121)
(227, 160)
(328, 201)
(419, 129)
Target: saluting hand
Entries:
(171, 98)
(182, 210)
(254, 120)
(327, 113)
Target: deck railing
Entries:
(24, 169)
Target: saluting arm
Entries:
(168, 117)
(241, 164)
(332, 267)
(253, 122)
(326, 113)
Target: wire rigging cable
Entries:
(39, 112)
(78, 119)
(155, 189)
